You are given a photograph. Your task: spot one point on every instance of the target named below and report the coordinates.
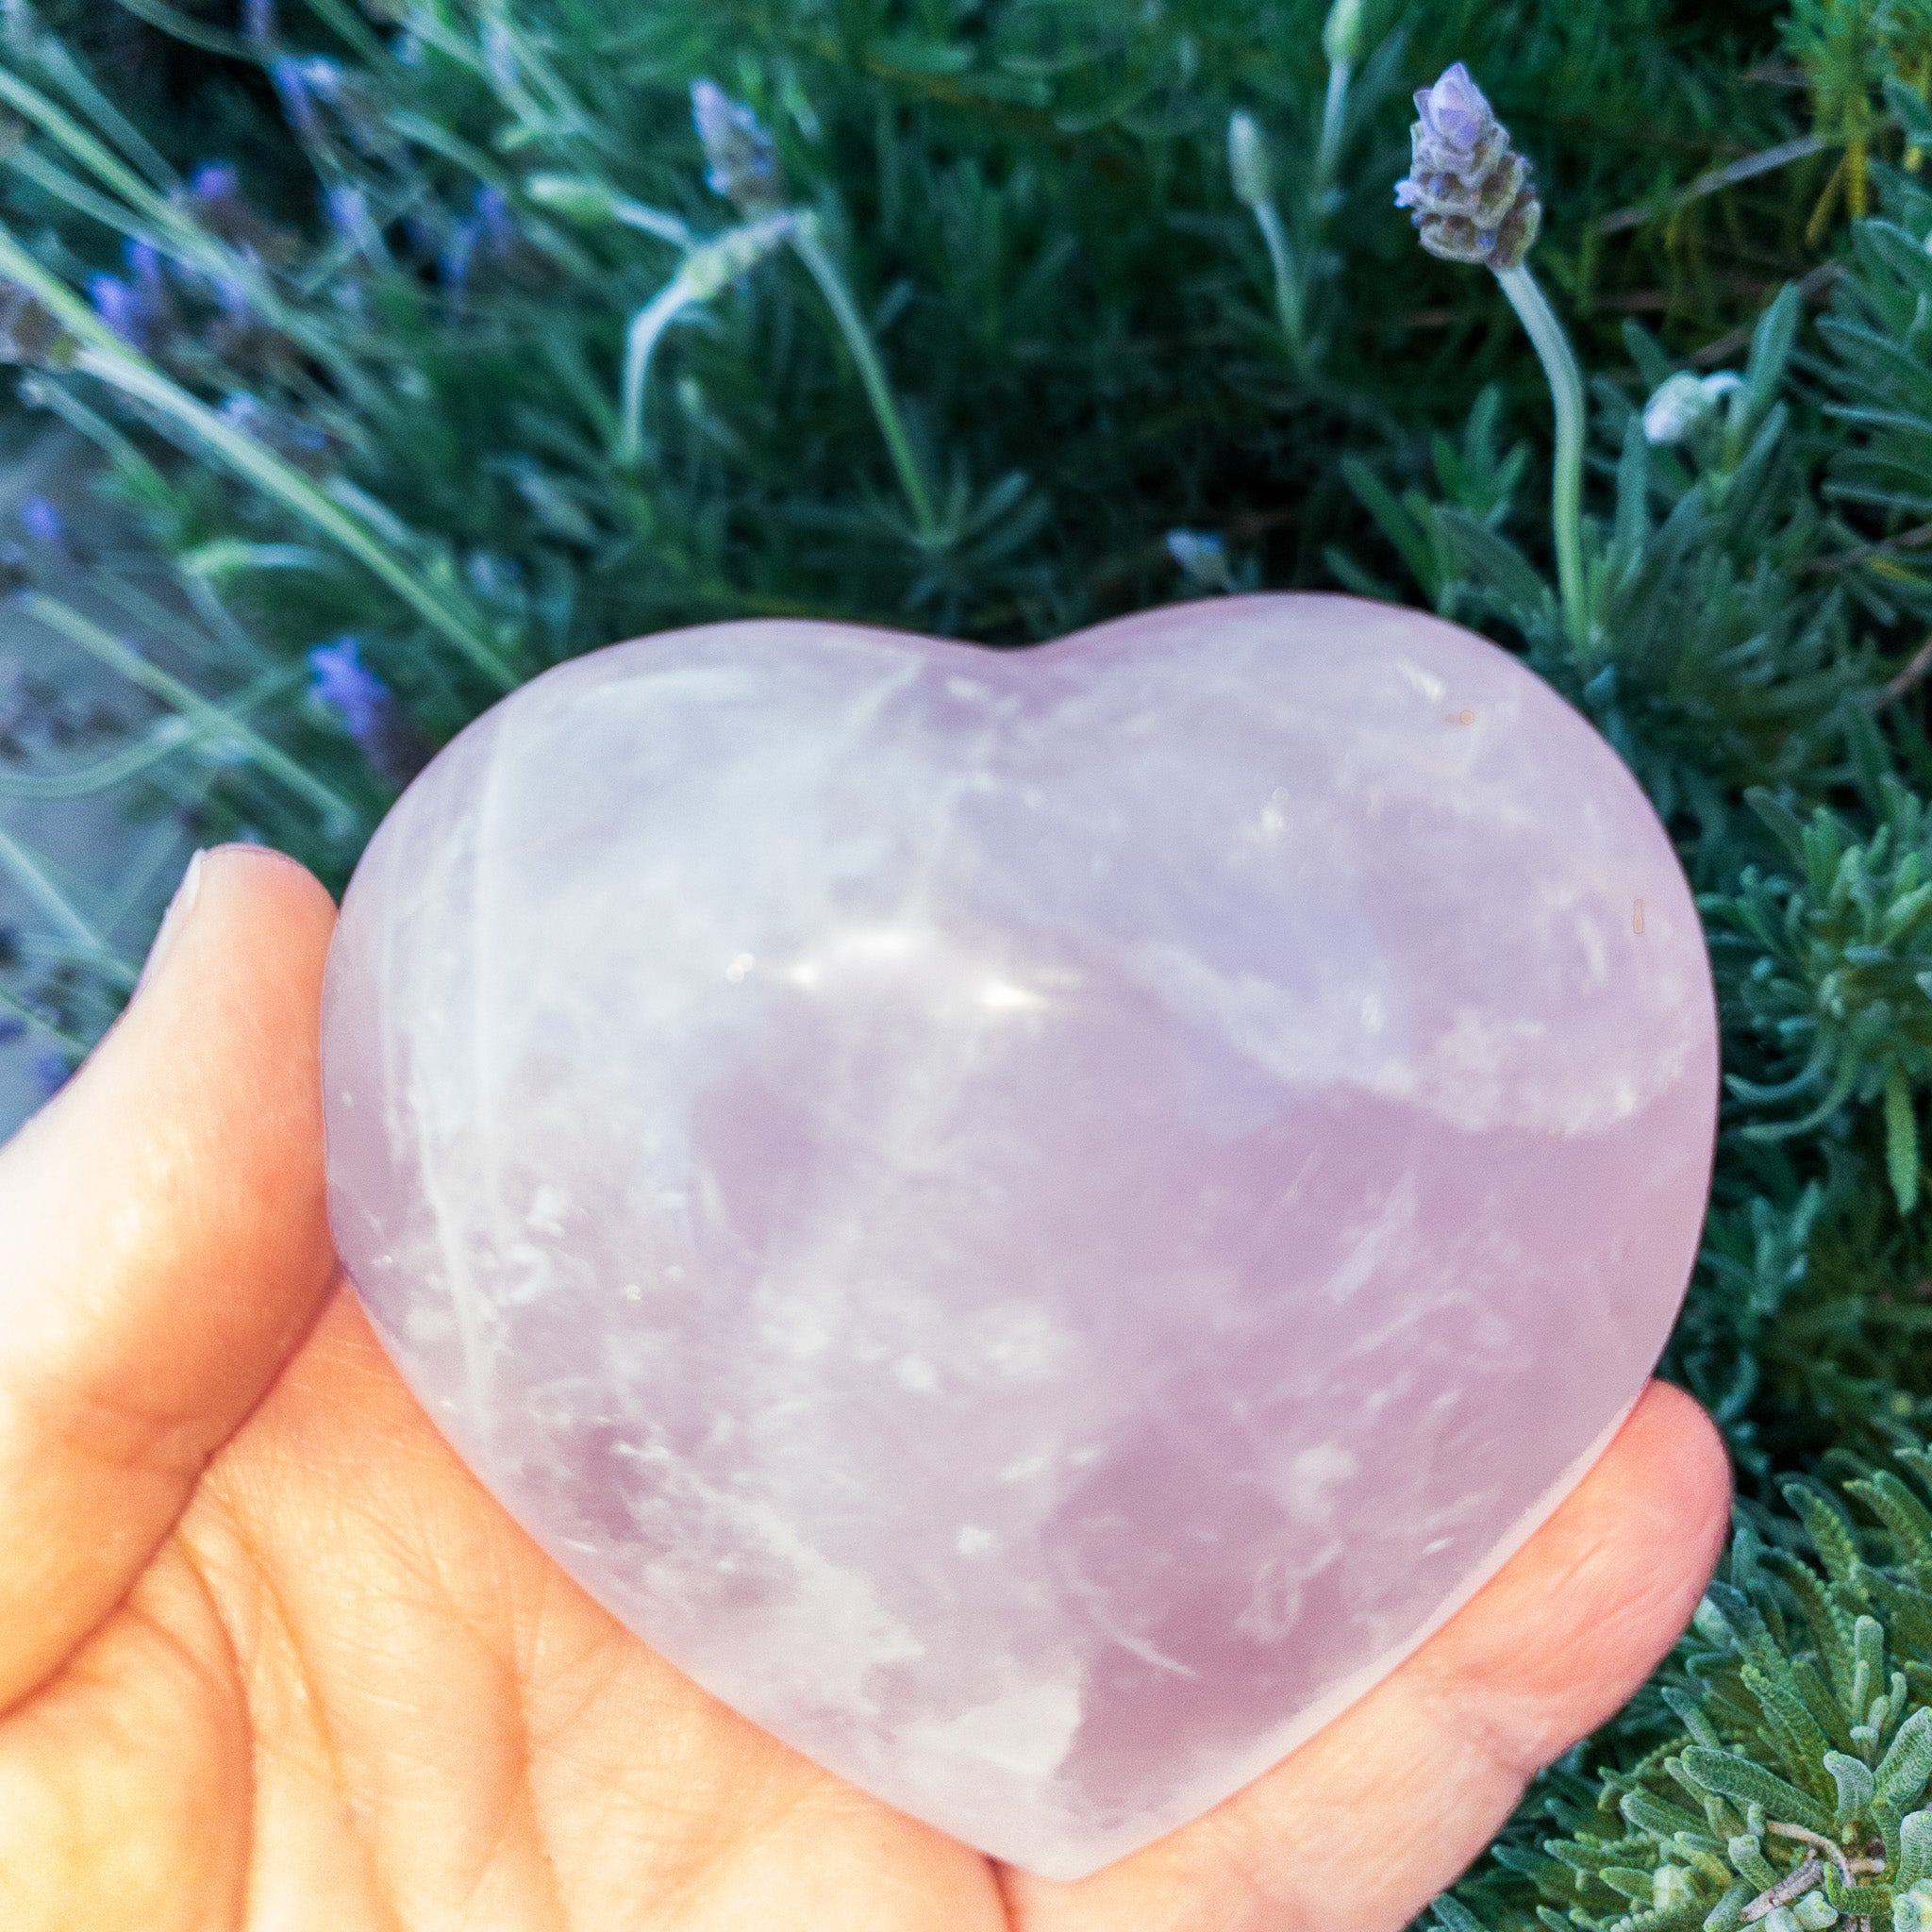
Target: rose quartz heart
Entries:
(1033, 1221)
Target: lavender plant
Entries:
(1299, 262)
(1783, 1776)
(1472, 201)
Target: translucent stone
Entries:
(1033, 1221)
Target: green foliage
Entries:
(460, 366)
(1788, 1748)
(1838, 983)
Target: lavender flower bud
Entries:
(1203, 558)
(498, 225)
(576, 197)
(213, 197)
(1681, 402)
(117, 305)
(41, 521)
(453, 259)
(1247, 161)
(144, 263)
(214, 181)
(1342, 33)
(341, 683)
(743, 160)
(1471, 196)
(298, 106)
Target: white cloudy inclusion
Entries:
(1032, 1220)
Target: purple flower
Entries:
(1454, 110)
(40, 520)
(453, 259)
(1470, 196)
(493, 217)
(493, 233)
(259, 20)
(144, 264)
(744, 160)
(214, 181)
(298, 108)
(119, 305)
(323, 77)
(348, 212)
(339, 681)
(12, 1028)
(52, 1071)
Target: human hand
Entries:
(270, 1657)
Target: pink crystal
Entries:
(1032, 1220)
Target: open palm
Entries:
(270, 1658)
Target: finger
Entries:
(1376, 1814)
(163, 1245)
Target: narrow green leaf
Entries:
(1853, 1777)
(1785, 825)
(1771, 349)
(1750, 1784)
(1656, 1815)
(1392, 517)
(1685, 1708)
(1829, 1533)
(1729, 1910)
(1910, 111)
(1901, 1140)
(1652, 365)
(1915, 1849)
(1907, 1762)
(1805, 1745)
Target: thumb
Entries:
(164, 1246)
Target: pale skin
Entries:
(271, 1660)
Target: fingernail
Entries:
(179, 906)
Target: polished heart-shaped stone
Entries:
(1033, 1221)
